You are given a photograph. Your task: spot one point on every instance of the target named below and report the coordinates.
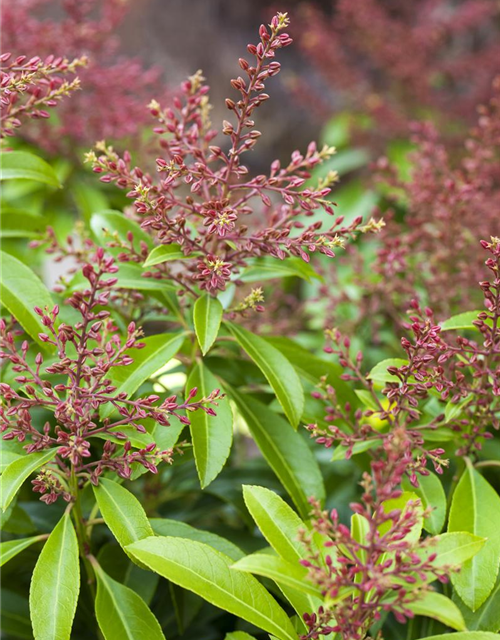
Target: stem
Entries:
(83, 540)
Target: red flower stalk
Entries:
(76, 386)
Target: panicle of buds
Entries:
(76, 386)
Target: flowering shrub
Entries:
(156, 476)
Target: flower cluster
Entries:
(116, 88)
(76, 387)
(377, 566)
(202, 201)
(29, 87)
(442, 67)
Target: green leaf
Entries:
(260, 269)
(178, 529)
(158, 351)
(55, 584)
(17, 472)
(487, 617)
(276, 368)
(437, 606)
(476, 508)
(20, 291)
(121, 613)
(19, 164)
(238, 635)
(199, 568)
(15, 612)
(341, 450)
(165, 253)
(122, 512)
(284, 449)
(105, 224)
(453, 549)
(10, 548)
(379, 372)
(460, 321)
(20, 224)
(465, 635)
(207, 316)
(431, 493)
(278, 523)
(212, 436)
(278, 569)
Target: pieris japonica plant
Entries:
(157, 480)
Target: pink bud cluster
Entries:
(75, 386)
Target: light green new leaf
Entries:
(165, 253)
(476, 508)
(379, 372)
(212, 435)
(260, 269)
(278, 523)
(55, 584)
(10, 548)
(207, 316)
(158, 351)
(437, 606)
(278, 569)
(17, 471)
(460, 321)
(20, 291)
(121, 613)
(276, 368)
(453, 549)
(465, 635)
(199, 568)
(122, 512)
(179, 529)
(285, 451)
(105, 224)
(431, 493)
(19, 164)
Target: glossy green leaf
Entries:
(476, 508)
(121, 613)
(285, 451)
(437, 606)
(212, 436)
(19, 164)
(18, 471)
(379, 372)
(278, 523)
(276, 368)
(260, 269)
(238, 635)
(487, 617)
(453, 549)
(178, 529)
(465, 635)
(10, 548)
(110, 225)
(158, 351)
(278, 569)
(460, 321)
(431, 493)
(207, 316)
(165, 253)
(20, 224)
(55, 584)
(199, 568)
(122, 512)
(20, 291)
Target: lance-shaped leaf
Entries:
(199, 568)
(10, 548)
(276, 368)
(158, 351)
(431, 493)
(207, 316)
(122, 512)
(285, 451)
(281, 571)
(121, 613)
(20, 291)
(476, 508)
(55, 584)
(453, 549)
(19, 164)
(466, 635)
(165, 253)
(437, 606)
(18, 471)
(107, 225)
(212, 435)
(487, 617)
